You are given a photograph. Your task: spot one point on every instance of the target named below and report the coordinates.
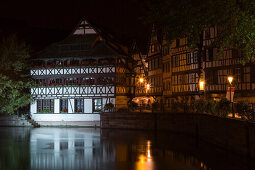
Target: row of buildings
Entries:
(176, 73)
(79, 75)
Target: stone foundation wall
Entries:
(230, 134)
(70, 123)
(13, 120)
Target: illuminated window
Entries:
(97, 105)
(79, 105)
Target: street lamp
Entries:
(201, 88)
(230, 79)
(148, 86)
(201, 85)
(141, 80)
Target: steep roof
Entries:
(84, 41)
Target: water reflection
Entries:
(93, 149)
(145, 161)
(65, 148)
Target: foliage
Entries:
(14, 71)
(243, 109)
(108, 106)
(181, 106)
(64, 110)
(200, 105)
(132, 105)
(223, 107)
(211, 107)
(188, 18)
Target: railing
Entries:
(72, 70)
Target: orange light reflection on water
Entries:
(145, 161)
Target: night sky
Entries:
(43, 22)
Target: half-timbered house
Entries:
(218, 68)
(76, 77)
(155, 65)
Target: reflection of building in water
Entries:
(68, 149)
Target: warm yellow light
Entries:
(148, 149)
(141, 80)
(148, 86)
(230, 79)
(201, 85)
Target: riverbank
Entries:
(230, 134)
(14, 121)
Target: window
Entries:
(159, 63)
(192, 78)
(209, 54)
(59, 81)
(207, 34)
(177, 42)
(149, 65)
(97, 105)
(45, 105)
(195, 57)
(165, 50)
(188, 58)
(152, 48)
(152, 64)
(156, 63)
(79, 105)
(176, 61)
(63, 105)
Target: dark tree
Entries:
(188, 18)
(14, 75)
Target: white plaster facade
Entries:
(57, 63)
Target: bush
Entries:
(108, 106)
(243, 109)
(223, 107)
(180, 107)
(200, 105)
(132, 105)
(155, 105)
(211, 107)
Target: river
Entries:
(97, 149)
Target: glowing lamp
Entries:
(141, 80)
(230, 79)
(201, 85)
(148, 86)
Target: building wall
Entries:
(218, 68)
(71, 92)
(230, 134)
(65, 117)
(155, 66)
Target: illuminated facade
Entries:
(176, 73)
(155, 65)
(76, 77)
(217, 69)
